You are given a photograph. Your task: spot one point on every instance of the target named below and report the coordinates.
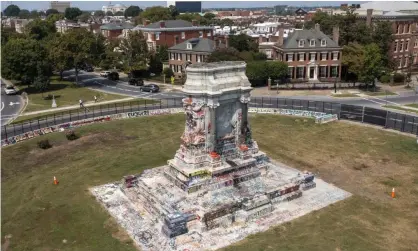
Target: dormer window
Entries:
(312, 42)
(189, 46)
(301, 43)
(323, 42)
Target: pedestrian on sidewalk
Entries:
(95, 99)
(81, 103)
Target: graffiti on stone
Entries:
(137, 114)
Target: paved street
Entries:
(10, 105)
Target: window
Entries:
(208, 35)
(189, 46)
(157, 36)
(398, 29)
(406, 28)
(401, 49)
(312, 42)
(416, 43)
(395, 47)
(322, 71)
(406, 62)
(301, 56)
(177, 39)
(290, 72)
(289, 57)
(312, 56)
(334, 71)
(407, 45)
(183, 35)
(400, 63)
(324, 56)
(335, 56)
(172, 56)
(299, 72)
(301, 43)
(200, 33)
(198, 58)
(323, 42)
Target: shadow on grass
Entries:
(53, 87)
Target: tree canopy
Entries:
(72, 13)
(243, 42)
(119, 13)
(135, 51)
(24, 14)
(39, 29)
(11, 11)
(156, 13)
(133, 11)
(51, 11)
(99, 13)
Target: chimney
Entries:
(336, 34)
(194, 23)
(369, 17)
(162, 24)
(226, 41)
(281, 34)
(317, 27)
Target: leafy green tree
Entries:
(119, 13)
(372, 66)
(156, 13)
(135, 51)
(59, 56)
(133, 11)
(173, 11)
(84, 17)
(243, 42)
(162, 52)
(21, 59)
(155, 64)
(226, 22)
(224, 54)
(35, 14)
(277, 70)
(353, 59)
(8, 33)
(54, 17)
(209, 16)
(51, 11)
(382, 36)
(109, 13)
(189, 17)
(11, 11)
(99, 13)
(72, 13)
(24, 14)
(39, 29)
(42, 80)
(168, 72)
(257, 73)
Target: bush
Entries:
(168, 72)
(71, 135)
(44, 144)
(385, 79)
(398, 78)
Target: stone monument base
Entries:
(159, 215)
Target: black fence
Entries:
(397, 121)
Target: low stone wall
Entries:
(320, 117)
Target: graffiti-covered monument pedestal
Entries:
(219, 187)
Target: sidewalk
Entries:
(89, 104)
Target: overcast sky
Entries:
(90, 5)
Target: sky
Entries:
(97, 5)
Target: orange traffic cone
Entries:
(393, 192)
(55, 181)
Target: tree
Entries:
(84, 17)
(243, 42)
(226, 22)
(168, 72)
(24, 14)
(133, 11)
(11, 11)
(59, 56)
(72, 13)
(39, 29)
(99, 13)
(382, 36)
(173, 11)
(353, 59)
(156, 13)
(109, 13)
(277, 70)
(135, 51)
(8, 33)
(119, 14)
(21, 59)
(224, 54)
(209, 16)
(54, 17)
(189, 17)
(42, 80)
(51, 11)
(162, 52)
(372, 65)
(155, 64)
(257, 73)
(35, 14)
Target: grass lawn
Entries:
(362, 160)
(412, 105)
(66, 94)
(380, 93)
(344, 95)
(402, 108)
(122, 105)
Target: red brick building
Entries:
(114, 30)
(172, 32)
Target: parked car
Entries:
(10, 90)
(88, 68)
(104, 73)
(136, 81)
(113, 76)
(150, 88)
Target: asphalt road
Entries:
(10, 105)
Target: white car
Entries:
(10, 90)
(104, 73)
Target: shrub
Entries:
(44, 144)
(385, 79)
(168, 72)
(398, 78)
(71, 135)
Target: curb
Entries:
(21, 109)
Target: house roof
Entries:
(198, 45)
(390, 6)
(172, 25)
(292, 41)
(116, 26)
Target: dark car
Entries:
(113, 76)
(150, 88)
(136, 81)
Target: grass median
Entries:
(362, 160)
(404, 108)
(66, 94)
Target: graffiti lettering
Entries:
(137, 114)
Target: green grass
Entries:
(380, 93)
(123, 105)
(402, 108)
(40, 215)
(66, 94)
(412, 105)
(344, 95)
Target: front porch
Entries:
(314, 73)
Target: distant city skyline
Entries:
(92, 5)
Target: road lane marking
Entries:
(15, 103)
(373, 101)
(387, 101)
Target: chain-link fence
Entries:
(397, 121)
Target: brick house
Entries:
(115, 30)
(194, 50)
(311, 55)
(172, 32)
(300, 15)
